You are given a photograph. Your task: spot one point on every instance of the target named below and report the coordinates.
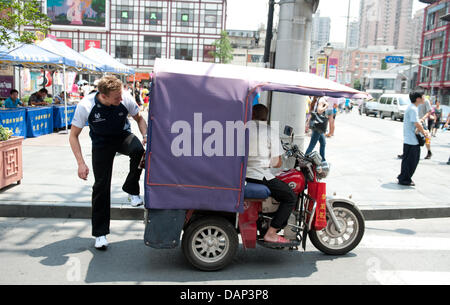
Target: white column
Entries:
(292, 53)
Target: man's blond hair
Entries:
(109, 83)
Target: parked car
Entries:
(393, 105)
(369, 108)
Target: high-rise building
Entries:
(320, 32)
(136, 32)
(417, 28)
(385, 22)
(353, 39)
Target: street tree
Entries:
(14, 15)
(223, 50)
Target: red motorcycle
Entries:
(334, 226)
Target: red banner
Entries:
(68, 42)
(91, 44)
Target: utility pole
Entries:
(344, 70)
(293, 53)
(269, 31)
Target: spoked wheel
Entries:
(210, 243)
(330, 240)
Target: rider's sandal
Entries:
(280, 240)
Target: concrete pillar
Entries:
(292, 53)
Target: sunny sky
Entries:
(249, 14)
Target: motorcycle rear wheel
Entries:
(332, 242)
(210, 243)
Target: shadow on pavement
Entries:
(395, 186)
(131, 261)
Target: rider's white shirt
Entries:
(264, 144)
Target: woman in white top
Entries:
(319, 105)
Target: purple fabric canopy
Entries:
(192, 162)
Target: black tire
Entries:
(393, 118)
(381, 115)
(319, 238)
(215, 233)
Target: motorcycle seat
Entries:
(256, 191)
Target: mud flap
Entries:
(163, 228)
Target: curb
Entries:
(66, 211)
(118, 212)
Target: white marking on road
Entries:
(388, 277)
(405, 243)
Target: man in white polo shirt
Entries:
(106, 112)
(411, 147)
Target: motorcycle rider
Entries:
(264, 153)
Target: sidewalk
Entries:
(363, 157)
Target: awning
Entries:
(108, 63)
(32, 56)
(82, 62)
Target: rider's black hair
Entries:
(260, 112)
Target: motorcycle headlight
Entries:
(323, 170)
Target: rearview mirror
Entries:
(288, 130)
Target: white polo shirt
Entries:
(264, 144)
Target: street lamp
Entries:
(327, 50)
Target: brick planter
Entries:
(11, 161)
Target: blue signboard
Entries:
(14, 119)
(395, 59)
(59, 116)
(39, 121)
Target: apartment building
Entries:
(138, 31)
(435, 51)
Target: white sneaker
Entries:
(101, 243)
(135, 200)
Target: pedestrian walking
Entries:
(424, 114)
(330, 113)
(318, 125)
(437, 112)
(411, 147)
(106, 113)
(446, 127)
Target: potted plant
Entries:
(10, 158)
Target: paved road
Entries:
(60, 251)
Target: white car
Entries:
(393, 105)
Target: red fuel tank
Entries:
(294, 179)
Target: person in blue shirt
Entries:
(13, 100)
(411, 147)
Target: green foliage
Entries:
(5, 133)
(383, 64)
(48, 100)
(15, 15)
(224, 51)
(357, 85)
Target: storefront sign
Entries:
(321, 66)
(91, 44)
(332, 69)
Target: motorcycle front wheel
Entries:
(332, 242)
